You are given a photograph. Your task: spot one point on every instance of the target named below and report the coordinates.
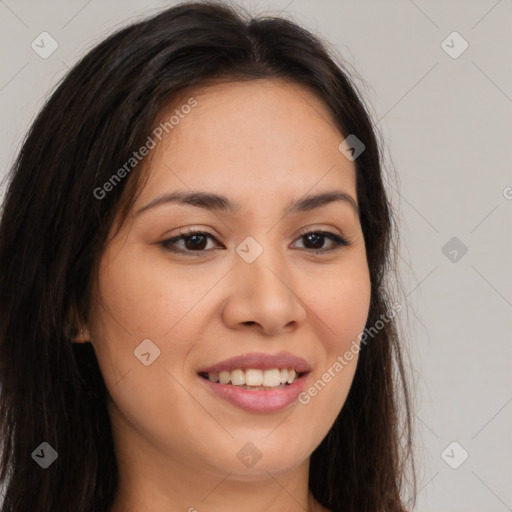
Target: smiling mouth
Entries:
(254, 379)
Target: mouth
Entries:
(257, 382)
(256, 398)
(255, 379)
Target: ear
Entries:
(83, 336)
(78, 332)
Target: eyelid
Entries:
(317, 229)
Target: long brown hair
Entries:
(53, 230)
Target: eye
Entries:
(194, 241)
(317, 239)
(197, 241)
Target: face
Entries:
(252, 281)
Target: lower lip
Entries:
(258, 401)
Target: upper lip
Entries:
(259, 360)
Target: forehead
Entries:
(267, 137)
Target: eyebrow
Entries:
(216, 202)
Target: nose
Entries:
(264, 296)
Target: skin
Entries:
(261, 143)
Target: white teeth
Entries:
(272, 378)
(254, 377)
(224, 377)
(238, 377)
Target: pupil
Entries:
(195, 245)
(316, 238)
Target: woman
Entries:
(193, 253)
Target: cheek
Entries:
(146, 298)
(131, 307)
(138, 304)
(342, 308)
(342, 304)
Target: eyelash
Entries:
(338, 240)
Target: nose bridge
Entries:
(262, 263)
(263, 275)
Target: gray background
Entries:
(447, 126)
